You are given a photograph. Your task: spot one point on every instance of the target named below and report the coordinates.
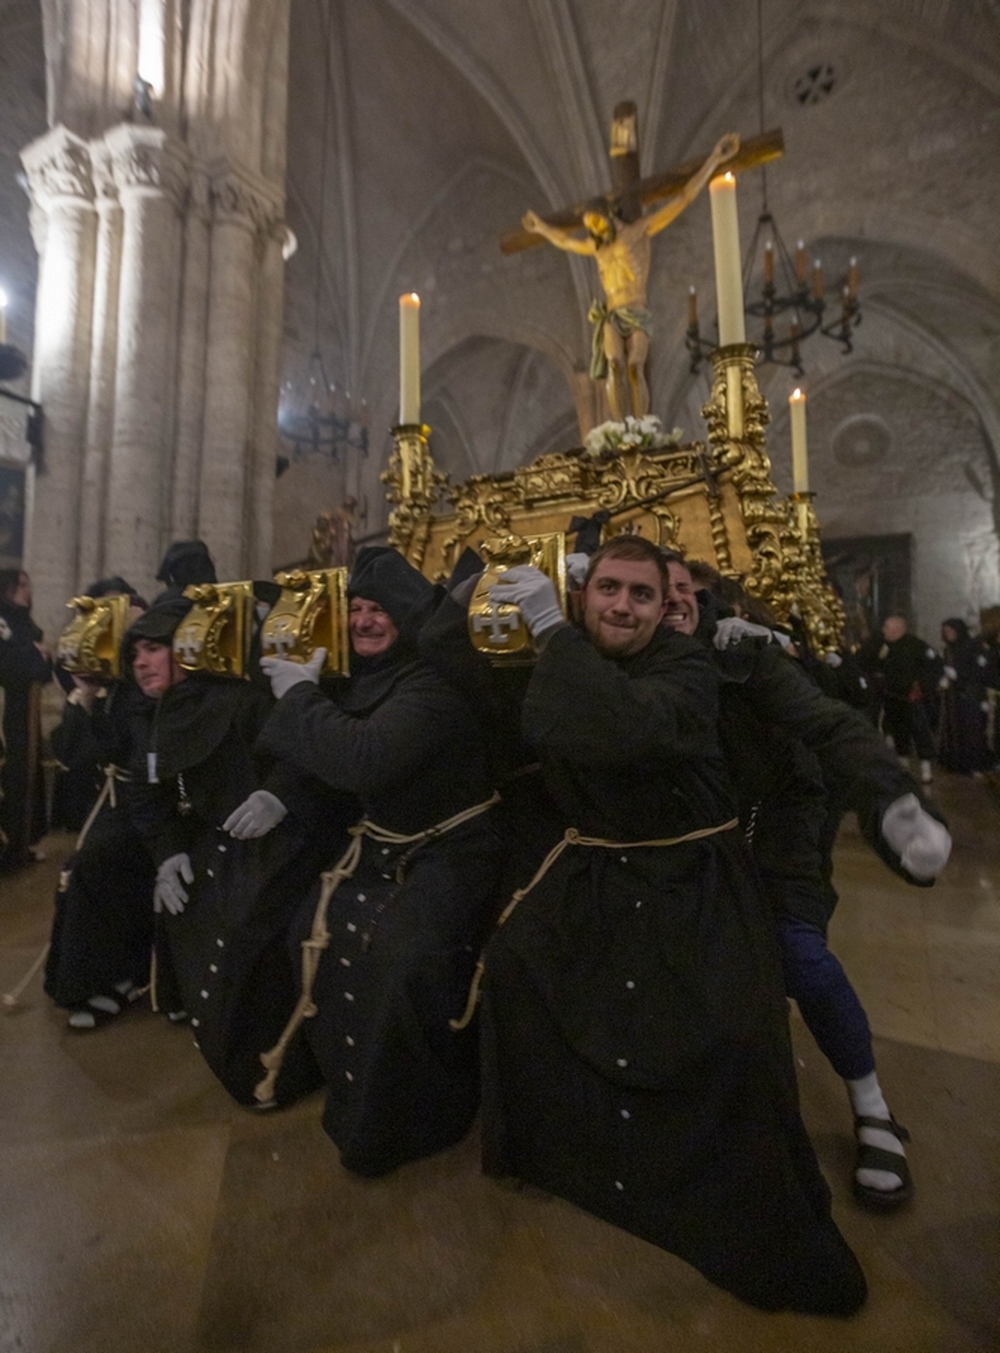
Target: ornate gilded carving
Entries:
(311, 613)
(499, 631)
(214, 636)
(413, 484)
(91, 643)
(715, 502)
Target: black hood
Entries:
(382, 575)
(186, 562)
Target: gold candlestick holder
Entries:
(413, 484)
(736, 410)
(805, 516)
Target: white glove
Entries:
(283, 674)
(169, 895)
(733, 629)
(922, 843)
(951, 674)
(576, 569)
(533, 594)
(261, 811)
(833, 659)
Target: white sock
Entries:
(868, 1101)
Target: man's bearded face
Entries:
(622, 605)
(680, 611)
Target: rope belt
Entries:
(572, 837)
(112, 773)
(319, 937)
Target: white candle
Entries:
(728, 265)
(800, 455)
(409, 358)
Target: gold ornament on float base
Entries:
(311, 613)
(499, 631)
(91, 643)
(214, 636)
(713, 501)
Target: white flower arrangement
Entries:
(635, 434)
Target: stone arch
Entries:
(504, 401)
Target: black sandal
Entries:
(878, 1158)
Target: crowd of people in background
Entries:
(570, 896)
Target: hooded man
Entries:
(389, 943)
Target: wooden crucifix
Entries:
(616, 234)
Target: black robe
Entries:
(102, 931)
(637, 1058)
(23, 670)
(406, 927)
(224, 958)
(964, 708)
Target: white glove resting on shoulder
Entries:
(533, 594)
(256, 816)
(922, 843)
(283, 675)
(169, 893)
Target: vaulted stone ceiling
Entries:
(449, 118)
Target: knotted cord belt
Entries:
(319, 937)
(112, 773)
(572, 837)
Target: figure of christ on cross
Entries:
(621, 250)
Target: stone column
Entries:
(240, 204)
(270, 317)
(103, 354)
(65, 222)
(150, 171)
(191, 361)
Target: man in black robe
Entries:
(637, 1052)
(234, 843)
(907, 673)
(401, 919)
(799, 759)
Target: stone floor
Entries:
(141, 1210)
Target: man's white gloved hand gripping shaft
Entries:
(169, 893)
(256, 816)
(922, 843)
(535, 597)
(283, 675)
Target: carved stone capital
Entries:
(58, 166)
(147, 160)
(244, 199)
(103, 174)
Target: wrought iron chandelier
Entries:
(792, 304)
(314, 415)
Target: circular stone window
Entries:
(815, 84)
(861, 440)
